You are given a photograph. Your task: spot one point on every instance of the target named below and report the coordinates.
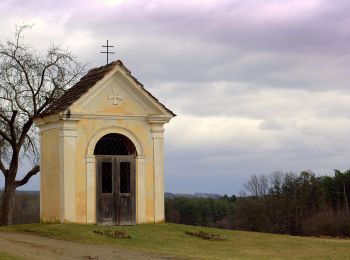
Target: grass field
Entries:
(170, 239)
(8, 257)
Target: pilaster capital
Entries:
(158, 119)
(90, 159)
(68, 128)
(157, 131)
(157, 123)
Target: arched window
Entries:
(115, 144)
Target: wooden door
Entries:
(116, 203)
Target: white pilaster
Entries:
(140, 190)
(90, 189)
(67, 148)
(158, 164)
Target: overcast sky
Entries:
(258, 85)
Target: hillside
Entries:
(171, 240)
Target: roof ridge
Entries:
(102, 68)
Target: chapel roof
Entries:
(87, 82)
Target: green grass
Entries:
(170, 239)
(8, 257)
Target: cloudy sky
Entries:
(258, 85)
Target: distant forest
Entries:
(27, 207)
(284, 203)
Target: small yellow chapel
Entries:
(102, 151)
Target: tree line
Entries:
(200, 211)
(26, 208)
(284, 203)
(294, 204)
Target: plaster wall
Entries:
(60, 200)
(87, 130)
(50, 176)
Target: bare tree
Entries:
(276, 181)
(252, 186)
(263, 186)
(257, 186)
(29, 82)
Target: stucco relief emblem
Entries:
(115, 98)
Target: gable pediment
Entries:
(108, 90)
(117, 95)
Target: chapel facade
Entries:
(102, 151)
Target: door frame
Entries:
(116, 160)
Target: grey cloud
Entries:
(264, 83)
(271, 125)
(226, 41)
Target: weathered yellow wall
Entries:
(86, 129)
(50, 177)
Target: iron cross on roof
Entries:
(107, 50)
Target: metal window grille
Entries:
(115, 144)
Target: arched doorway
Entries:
(115, 182)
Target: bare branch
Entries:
(24, 70)
(3, 168)
(26, 178)
(4, 117)
(6, 137)
(11, 125)
(25, 129)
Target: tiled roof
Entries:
(83, 86)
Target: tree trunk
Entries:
(7, 203)
(346, 199)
